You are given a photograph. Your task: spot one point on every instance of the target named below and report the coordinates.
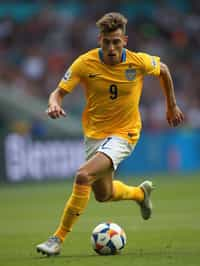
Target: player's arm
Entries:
(55, 109)
(174, 115)
(70, 80)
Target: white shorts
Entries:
(116, 148)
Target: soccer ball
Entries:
(108, 238)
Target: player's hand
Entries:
(55, 111)
(174, 116)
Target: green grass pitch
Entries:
(30, 212)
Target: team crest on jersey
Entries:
(130, 73)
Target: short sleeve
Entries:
(72, 76)
(150, 64)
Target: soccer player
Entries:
(112, 78)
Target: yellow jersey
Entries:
(112, 92)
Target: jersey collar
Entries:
(123, 58)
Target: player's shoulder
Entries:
(141, 58)
(135, 56)
(89, 55)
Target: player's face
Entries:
(112, 44)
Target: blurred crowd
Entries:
(39, 41)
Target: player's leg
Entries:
(141, 194)
(117, 150)
(95, 167)
(85, 177)
(107, 189)
(103, 187)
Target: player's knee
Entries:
(82, 177)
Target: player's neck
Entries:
(115, 61)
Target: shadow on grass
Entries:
(136, 254)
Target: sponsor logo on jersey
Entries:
(130, 73)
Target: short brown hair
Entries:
(111, 22)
